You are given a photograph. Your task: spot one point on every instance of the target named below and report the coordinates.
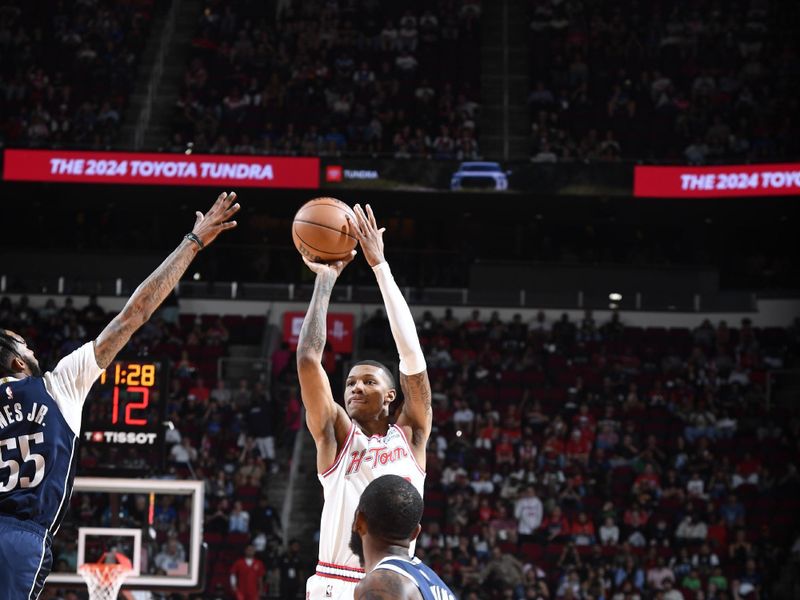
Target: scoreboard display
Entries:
(123, 419)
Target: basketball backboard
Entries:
(156, 523)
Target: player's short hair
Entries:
(8, 351)
(375, 363)
(392, 507)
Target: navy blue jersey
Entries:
(39, 428)
(429, 583)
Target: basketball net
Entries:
(105, 579)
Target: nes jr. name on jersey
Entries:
(14, 414)
(120, 437)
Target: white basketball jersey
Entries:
(360, 460)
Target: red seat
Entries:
(533, 552)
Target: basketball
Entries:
(321, 232)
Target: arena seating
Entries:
(645, 426)
(68, 68)
(654, 406)
(326, 78)
(682, 81)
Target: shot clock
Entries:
(130, 379)
(123, 419)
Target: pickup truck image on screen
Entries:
(479, 175)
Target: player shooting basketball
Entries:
(358, 443)
(40, 416)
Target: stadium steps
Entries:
(177, 53)
(505, 80)
(307, 499)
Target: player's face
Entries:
(367, 393)
(30, 366)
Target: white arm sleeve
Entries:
(404, 331)
(70, 382)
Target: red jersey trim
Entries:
(328, 576)
(342, 451)
(342, 567)
(410, 450)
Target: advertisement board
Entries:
(160, 169)
(717, 182)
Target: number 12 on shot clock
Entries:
(131, 389)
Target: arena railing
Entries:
(722, 301)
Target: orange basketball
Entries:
(321, 232)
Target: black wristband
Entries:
(191, 236)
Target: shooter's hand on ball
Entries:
(366, 231)
(208, 226)
(330, 270)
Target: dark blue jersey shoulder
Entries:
(38, 453)
(429, 583)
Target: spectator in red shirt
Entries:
(582, 531)
(555, 526)
(247, 576)
(200, 391)
(636, 517)
(578, 447)
(293, 417)
(553, 452)
(648, 481)
(488, 434)
(584, 421)
(504, 453)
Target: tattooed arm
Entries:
(152, 291)
(327, 421)
(382, 584)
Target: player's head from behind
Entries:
(368, 391)
(388, 514)
(16, 358)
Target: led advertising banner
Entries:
(160, 169)
(717, 182)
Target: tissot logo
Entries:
(121, 437)
(333, 173)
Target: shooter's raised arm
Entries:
(416, 414)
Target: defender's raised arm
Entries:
(153, 290)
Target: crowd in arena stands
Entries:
(569, 459)
(681, 81)
(67, 69)
(236, 436)
(585, 460)
(325, 78)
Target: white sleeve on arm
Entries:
(404, 331)
(70, 382)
